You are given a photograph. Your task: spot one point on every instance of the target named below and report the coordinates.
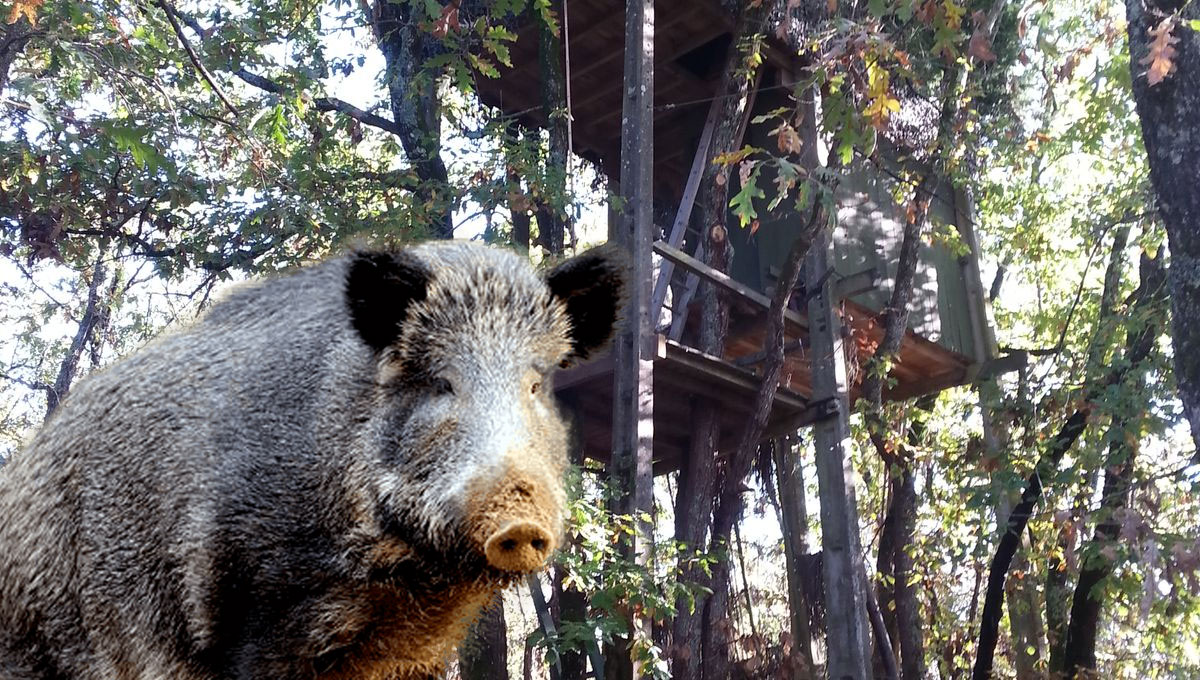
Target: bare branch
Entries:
(323, 103)
(193, 57)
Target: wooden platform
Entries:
(682, 373)
(679, 374)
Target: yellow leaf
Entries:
(26, 8)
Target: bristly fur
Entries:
(300, 484)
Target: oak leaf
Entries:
(1162, 51)
(980, 46)
(26, 8)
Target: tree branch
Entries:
(194, 58)
(1047, 465)
(323, 103)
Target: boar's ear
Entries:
(379, 289)
(593, 287)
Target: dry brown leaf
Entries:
(744, 171)
(980, 46)
(26, 8)
(788, 139)
(447, 22)
(1162, 51)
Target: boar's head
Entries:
(467, 448)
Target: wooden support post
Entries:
(849, 643)
(545, 619)
(633, 390)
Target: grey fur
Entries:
(265, 495)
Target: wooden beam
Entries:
(545, 619)
(849, 642)
(685, 261)
(632, 469)
(854, 284)
(684, 212)
(1014, 361)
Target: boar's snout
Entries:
(522, 546)
(517, 523)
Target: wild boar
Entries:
(325, 476)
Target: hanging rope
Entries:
(570, 122)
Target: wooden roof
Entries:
(691, 38)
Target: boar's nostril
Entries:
(521, 546)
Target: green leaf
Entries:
(743, 202)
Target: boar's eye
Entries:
(535, 387)
(441, 386)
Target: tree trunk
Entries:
(570, 606)
(693, 512)
(689, 629)
(416, 108)
(1171, 133)
(789, 472)
(730, 495)
(484, 655)
(518, 198)
(1087, 601)
(1047, 465)
(631, 469)
(94, 313)
(550, 216)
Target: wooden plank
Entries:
(857, 283)
(725, 373)
(632, 468)
(684, 212)
(684, 261)
(849, 643)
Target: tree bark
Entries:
(484, 655)
(689, 629)
(1171, 133)
(730, 494)
(416, 109)
(93, 314)
(789, 472)
(551, 219)
(693, 512)
(1088, 600)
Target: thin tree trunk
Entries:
(1046, 466)
(690, 629)
(93, 314)
(518, 199)
(416, 108)
(550, 216)
(693, 512)
(1171, 132)
(730, 495)
(1088, 599)
(789, 472)
(484, 656)
(571, 609)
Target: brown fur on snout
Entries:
(515, 520)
